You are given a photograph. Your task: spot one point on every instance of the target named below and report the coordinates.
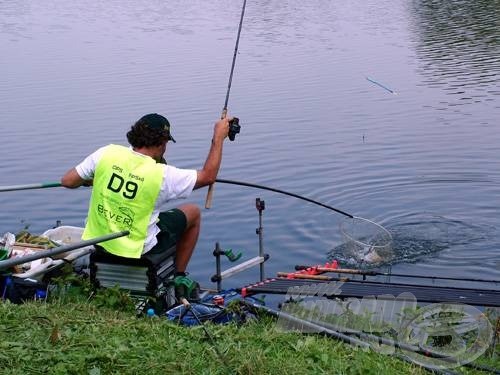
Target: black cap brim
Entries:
(158, 122)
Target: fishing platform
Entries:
(310, 280)
(380, 290)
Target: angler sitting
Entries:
(130, 184)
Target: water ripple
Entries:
(458, 43)
(77, 74)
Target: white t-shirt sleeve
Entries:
(87, 167)
(177, 183)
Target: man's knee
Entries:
(193, 214)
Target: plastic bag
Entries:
(6, 244)
(206, 310)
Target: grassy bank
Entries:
(84, 338)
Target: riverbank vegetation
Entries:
(74, 334)
(39, 338)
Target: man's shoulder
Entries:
(107, 147)
(112, 146)
(174, 169)
(115, 150)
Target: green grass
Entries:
(64, 337)
(82, 332)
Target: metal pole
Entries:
(260, 231)
(218, 266)
(61, 249)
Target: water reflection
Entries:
(458, 44)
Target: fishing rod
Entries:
(234, 126)
(375, 273)
(220, 180)
(42, 185)
(240, 183)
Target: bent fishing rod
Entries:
(45, 185)
(247, 184)
(234, 127)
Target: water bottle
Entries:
(8, 283)
(40, 294)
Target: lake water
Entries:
(423, 162)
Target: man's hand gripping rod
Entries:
(234, 128)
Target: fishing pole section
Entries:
(45, 185)
(234, 124)
(42, 185)
(4, 264)
(262, 187)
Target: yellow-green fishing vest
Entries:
(124, 193)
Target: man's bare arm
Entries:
(73, 180)
(208, 173)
